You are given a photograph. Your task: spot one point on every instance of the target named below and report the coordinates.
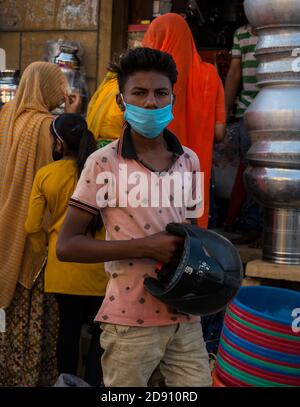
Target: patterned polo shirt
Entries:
(244, 46)
(126, 301)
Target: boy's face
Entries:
(149, 90)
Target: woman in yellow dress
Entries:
(79, 288)
(27, 347)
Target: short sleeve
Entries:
(194, 209)
(35, 216)
(84, 196)
(236, 50)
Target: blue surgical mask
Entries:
(148, 122)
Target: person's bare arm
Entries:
(220, 132)
(75, 245)
(220, 125)
(233, 83)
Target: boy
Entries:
(139, 332)
(244, 213)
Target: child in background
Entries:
(79, 288)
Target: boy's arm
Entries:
(233, 83)
(74, 245)
(234, 76)
(220, 125)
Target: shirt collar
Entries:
(127, 150)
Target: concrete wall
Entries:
(25, 26)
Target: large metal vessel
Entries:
(69, 56)
(273, 122)
(9, 80)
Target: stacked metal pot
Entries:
(69, 56)
(273, 122)
(9, 80)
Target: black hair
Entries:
(72, 129)
(143, 59)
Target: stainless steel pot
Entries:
(9, 80)
(272, 13)
(69, 56)
(273, 122)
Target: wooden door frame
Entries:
(112, 33)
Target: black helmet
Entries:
(207, 276)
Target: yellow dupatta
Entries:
(104, 118)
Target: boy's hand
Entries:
(164, 247)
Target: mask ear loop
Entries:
(58, 138)
(55, 131)
(122, 97)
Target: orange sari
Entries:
(199, 93)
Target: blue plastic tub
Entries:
(270, 303)
(255, 362)
(261, 351)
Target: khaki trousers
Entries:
(131, 354)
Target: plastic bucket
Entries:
(261, 352)
(256, 371)
(246, 377)
(228, 380)
(217, 382)
(272, 367)
(293, 339)
(260, 339)
(269, 303)
(260, 321)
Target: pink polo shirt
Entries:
(118, 184)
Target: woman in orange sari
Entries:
(199, 111)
